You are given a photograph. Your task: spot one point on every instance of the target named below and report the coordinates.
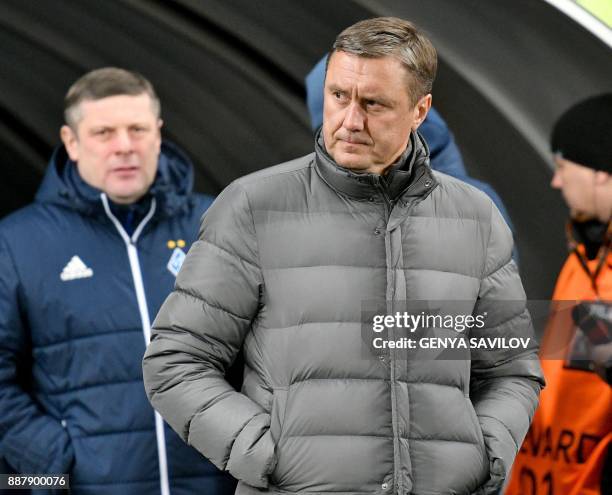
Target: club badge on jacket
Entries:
(177, 257)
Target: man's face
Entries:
(116, 145)
(367, 112)
(577, 186)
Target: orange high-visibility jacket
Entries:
(565, 448)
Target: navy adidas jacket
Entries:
(77, 295)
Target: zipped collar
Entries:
(591, 233)
(410, 176)
(129, 215)
(171, 189)
(128, 237)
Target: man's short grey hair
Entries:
(102, 83)
(395, 37)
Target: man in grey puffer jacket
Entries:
(285, 258)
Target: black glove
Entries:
(595, 321)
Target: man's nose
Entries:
(122, 142)
(556, 182)
(354, 119)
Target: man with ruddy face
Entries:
(84, 269)
(586, 191)
(286, 260)
(115, 143)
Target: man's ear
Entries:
(69, 138)
(160, 124)
(420, 110)
(601, 177)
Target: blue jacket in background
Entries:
(73, 330)
(444, 154)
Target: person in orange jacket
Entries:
(567, 449)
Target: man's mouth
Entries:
(353, 140)
(125, 169)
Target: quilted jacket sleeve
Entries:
(197, 335)
(505, 383)
(30, 441)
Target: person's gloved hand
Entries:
(595, 321)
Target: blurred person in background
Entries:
(286, 257)
(82, 270)
(567, 450)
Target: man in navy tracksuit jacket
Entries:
(83, 270)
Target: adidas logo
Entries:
(75, 269)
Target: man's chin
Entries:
(351, 161)
(126, 196)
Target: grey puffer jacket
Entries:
(285, 258)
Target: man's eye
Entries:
(101, 132)
(372, 103)
(139, 129)
(338, 95)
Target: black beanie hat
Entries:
(583, 134)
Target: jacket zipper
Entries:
(393, 378)
(132, 251)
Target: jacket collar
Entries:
(171, 189)
(410, 176)
(592, 234)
